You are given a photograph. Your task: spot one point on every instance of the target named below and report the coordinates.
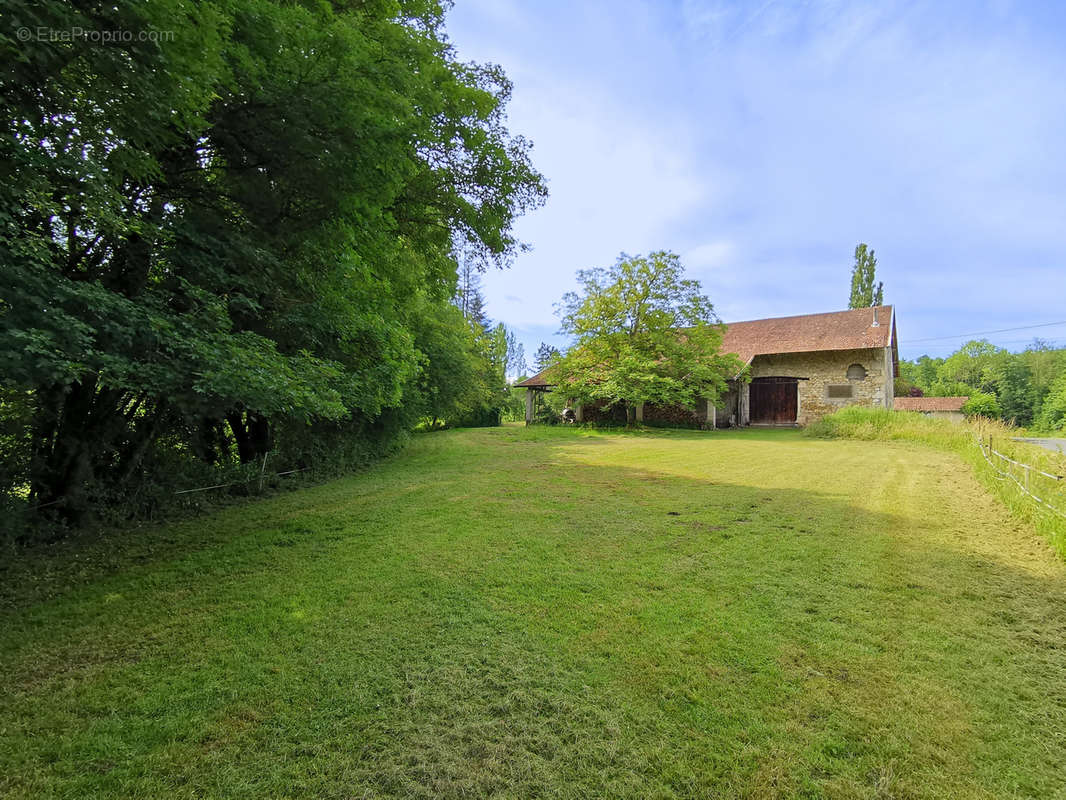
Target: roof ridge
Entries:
(802, 316)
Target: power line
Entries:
(982, 333)
(1054, 344)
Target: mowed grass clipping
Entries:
(555, 613)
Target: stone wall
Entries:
(826, 369)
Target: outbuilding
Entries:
(943, 407)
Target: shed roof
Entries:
(929, 403)
(853, 329)
(535, 382)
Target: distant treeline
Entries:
(1027, 388)
(233, 250)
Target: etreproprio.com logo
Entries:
(92, 35)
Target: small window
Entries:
(856, 372)
(839, 391)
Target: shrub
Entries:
(982, 404)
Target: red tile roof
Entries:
(928, 403)
(536, 380)
(836, 330)
(806, 333)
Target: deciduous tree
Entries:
(235, 225)
(642, 333)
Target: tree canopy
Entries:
(247, 226)
(1016, 387)
(642, 333)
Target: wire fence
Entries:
(260, 478)
(1044, 487)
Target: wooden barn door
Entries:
(773, 400)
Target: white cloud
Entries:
(763, 140)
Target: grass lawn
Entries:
(557, 613)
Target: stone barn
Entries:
(798, 370)
(802, 368)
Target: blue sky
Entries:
(761, 141)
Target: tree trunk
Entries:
(63, 468)
(205, 440)
(240, 436)
(259, 433)
(146, 434)
(252, 436)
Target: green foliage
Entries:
(464, 381)
(1053, 412)
(513, 408)
(926, 370)
(982, 404)
(642, 333)
(1014, 391)
(248, 225)
(1047, 366)
(1020, 383)
(969, 366)
(455, 378)
(865, 289)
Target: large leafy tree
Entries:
(866, 290)
(970, 368)
(1015, 392)
(227, 227)
(456, 379)
(1046, 366)
(642, 333)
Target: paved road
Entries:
(1058, 445)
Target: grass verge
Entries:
(884, 425)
